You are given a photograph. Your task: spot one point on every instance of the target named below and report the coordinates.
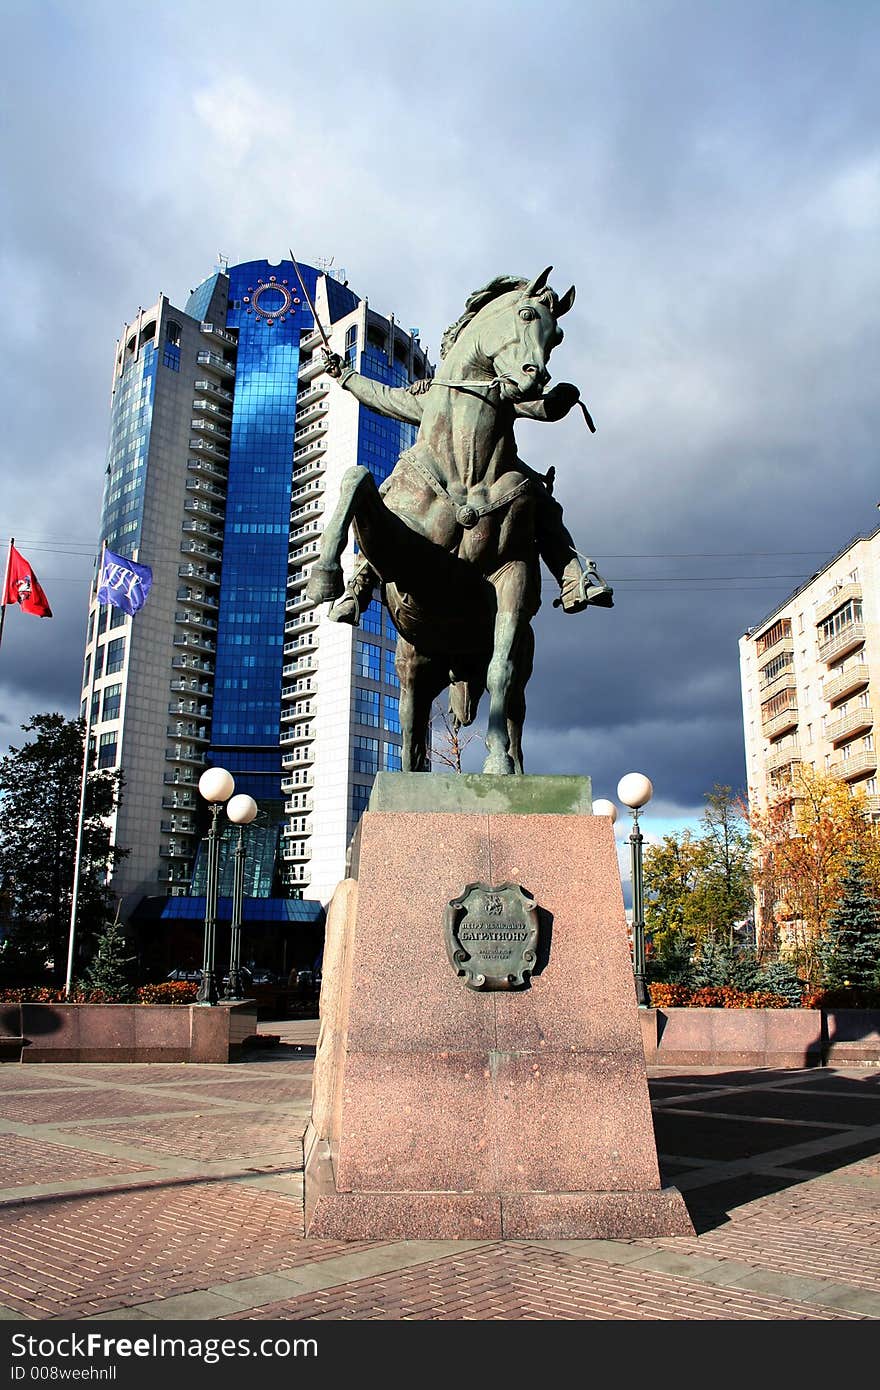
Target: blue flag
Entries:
(124, 583)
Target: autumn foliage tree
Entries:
(802, 844)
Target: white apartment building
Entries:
(810, 675)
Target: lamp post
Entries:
(241, 811)
(635, 791)
(216, 786)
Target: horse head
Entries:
(511, 326)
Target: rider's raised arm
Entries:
(557, 402)
(396, 401)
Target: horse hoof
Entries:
(325, 584)
(346, 611)
(499, 763)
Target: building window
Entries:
(366, 707)
(172, 333)
(368, 659)
(392, 758)
(107, 749)
(392, 714)
(390, 671)
(365, 754)
(371, 620)
(351, 338)
(115, 655)
(117, 616)
(112, 697)
(358, 799)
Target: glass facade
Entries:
(131, 418)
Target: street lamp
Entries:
(216, 786)
(635, 791)
(241, 811)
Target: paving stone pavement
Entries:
(174, 1192)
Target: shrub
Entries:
(714, 997)
(842, 997)
(168, 992)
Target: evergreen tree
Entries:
(712, 966)
(781, 977)
(851, 948)
(39, 813)
(671, 961)
(745, 969)
(109, 968)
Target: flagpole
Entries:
(71, 939)
(5, 586)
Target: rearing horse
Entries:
(455, 533)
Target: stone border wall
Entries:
(125, 1032)
(760, 1037)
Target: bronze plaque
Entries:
(492, 935)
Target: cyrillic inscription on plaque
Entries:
(492, 935)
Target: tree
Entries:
(109, 968)
(802, 842)
(851, 948)
(701, 884)
(447, 740)
(39, 812)
(723, 891)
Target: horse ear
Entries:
(565, 303)
(537, 284)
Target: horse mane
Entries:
(502, 284)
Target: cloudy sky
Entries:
(707, 172)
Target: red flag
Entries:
(23, 587)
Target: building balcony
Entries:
(309, 618)
(194, 687)
(305, 552)
(191, 708)
(217, 448)
(201, 600)
(781, 755)
(785, 644)
(305, 471)
(301, 732)
(835, 601)
(301, 757)
(314, 410)
(310, 451)
(174, 827)
(305, 782)
(189, 546)
(305, 642)
(293, 854)
(289, 833)
(846, 680)
(174, 851)
(199, 572)
(303, 436)
(203, 487)
(209, 467)
(314, 393)
(211, 410)
(200, 732)
(781, 722)
(180, 801)
(855, 721)
(309, 370)
(215, 334)
(191, 663)
(215, 363)
(872, 804)
(213, 389)
(311, 340)
(292, 808)
(298, 603)
(302, 665)
(199, 620)
(194, 640)
(307, 492)
(784, 681)
(849, 637)
(861, 764)
(211, 428)
(185, 754)
(200, 507)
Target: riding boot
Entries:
(357, 596)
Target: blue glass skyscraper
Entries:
(227, 442)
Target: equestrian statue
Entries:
(454, 536)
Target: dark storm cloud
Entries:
(708, 175)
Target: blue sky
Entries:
(707, 174)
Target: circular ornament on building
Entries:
(271, 300)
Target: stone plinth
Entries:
(446, 1112)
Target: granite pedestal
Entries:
(441, 1111)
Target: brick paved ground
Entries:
(175, 1192)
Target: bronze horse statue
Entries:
(455, 533)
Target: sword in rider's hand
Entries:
(308, 299)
